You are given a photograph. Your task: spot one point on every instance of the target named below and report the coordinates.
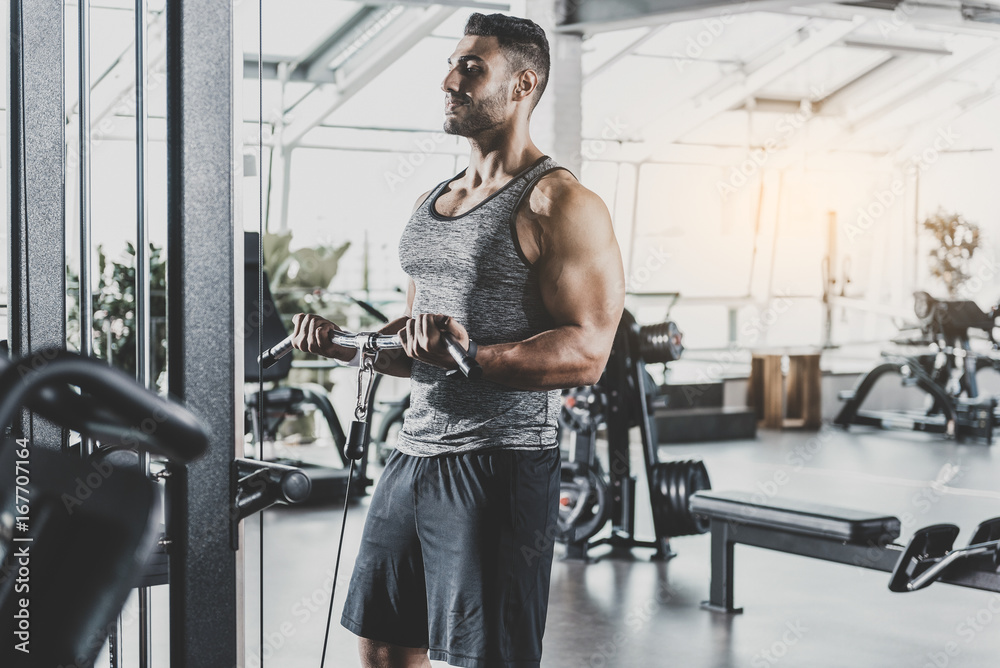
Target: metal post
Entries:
(86, 296)
(142, 273)
(721, 587)
(634, 228)
(37, 189)
(204, 307)
(143, 356)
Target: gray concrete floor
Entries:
(798, 612)
(622, 613)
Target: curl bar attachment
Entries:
(374, 342)
(929, 554)
(370, 344)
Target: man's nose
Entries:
(450, 82)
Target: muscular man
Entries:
(514, 254)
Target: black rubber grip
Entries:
(357, 440)
(466, 363)
(274, 353)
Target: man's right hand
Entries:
(313, 334)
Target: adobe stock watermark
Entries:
(796, 460)
(752, 330)
(923, 501)
(407, 164)
(930, 495)
(605, 655)
(611, 131)
(884, 199)
(784, 129)
(983, 276)
(900, 17)
(655, 260)
(778, 650)
(303, 610)
(712, 30)
(967, 630)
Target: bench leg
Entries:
(721, 589)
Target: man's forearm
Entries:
(394, 362)
(551, 360)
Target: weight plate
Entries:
(584, 505)
(674, 483)
(662, 342)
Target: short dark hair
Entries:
(522, 41)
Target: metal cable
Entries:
(336, 566)
(260, 295)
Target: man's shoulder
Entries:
(558, 195)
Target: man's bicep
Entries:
(582, 279)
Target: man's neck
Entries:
(497, 156)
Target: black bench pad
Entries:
(793, 516)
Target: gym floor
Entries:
(798, 611)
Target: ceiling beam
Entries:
(875, 110)
(113, 90)
(368, 19)
(737, 88)
(628, 50)
(927, 131)
(270, 68)
(372, 57)
(312, 65)
(867, 84)
(896, 46)
(594, 16)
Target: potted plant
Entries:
(956, 242)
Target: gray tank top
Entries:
(471, 268)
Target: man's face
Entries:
(477, 87)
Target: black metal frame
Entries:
(727, 533)
(960, 413)
(204, 304)
(958, 418)
(628, 405)
(36, 275)
(207, 499)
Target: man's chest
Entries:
(457, 201)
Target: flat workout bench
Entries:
(847, 536)
(843, 535)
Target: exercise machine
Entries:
(592, 495)
(78, 533)
(944, 367)
(843, 535)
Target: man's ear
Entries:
(527, 81)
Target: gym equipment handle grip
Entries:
(357, 440)
(466, 363)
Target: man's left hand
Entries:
(423, 339)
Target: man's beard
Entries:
(480, 118)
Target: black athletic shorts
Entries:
(456, 555)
